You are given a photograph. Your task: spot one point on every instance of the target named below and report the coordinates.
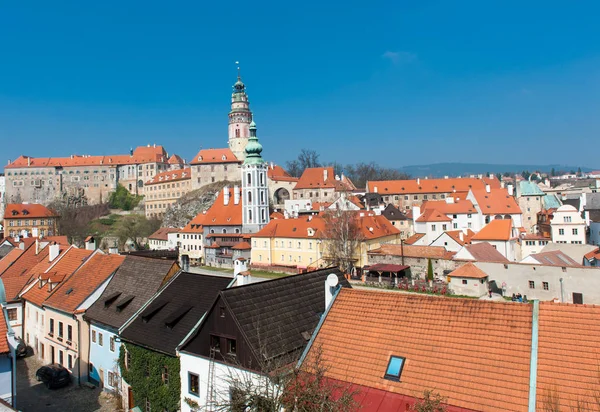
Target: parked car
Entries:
(54, 376)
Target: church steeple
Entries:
(255, 188)
(240, 118)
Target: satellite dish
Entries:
(332, 280)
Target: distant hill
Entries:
(461, 169)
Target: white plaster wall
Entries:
(35, 327)
(474, 287)
(17, 325)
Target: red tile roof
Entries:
(568, 365)
(468, 270)
(555, 258)
(321, 178)
(141, 154)
(278, 173)
(175, 160)
(497, 201)
(277, 215)
(497, 229)
(459, 207)
(205, 156)
(4, 347)
(242, 246)
(455, 234)
(9, 259)
(413, 239)
(432, 215)
(196, 224)
(449, 346)
(18, 274)
(162, 233)
(484, 252)
(463, 184)
(594, 254)
(171, 176)
(435, 252)
(72, 292)
(63, 267)
(27, 211)
(220, 214)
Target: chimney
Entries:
(226, 195)
(113, 250)
(511, 189)
(28, 161)
(461, 236)
(90, 244)
(375, 189)
(418, 181)
(236, 195)
(488, 189)
(53, 251)
(272, 166)
(37, 247)
(34, 232)
(324, 174)
(445, 177)
(330, 287)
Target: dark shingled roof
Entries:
(137, 277)
(174, 312)
(277, 315)
(391, 212)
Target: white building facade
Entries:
(567, 226)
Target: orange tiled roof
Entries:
(462, 184)
(72, 292)
(497, 229)
(485, 252)
(594, 254)
(468, 270)
(141, 154)
(277, 215)
(220, 214)
(278, 173)
(242, 246)
(214, 156)
(432, 215)
(568, 355)
(63, 266)
(413, 239)
(435, 252)
(196, 224)
(4, 347)
(27, 211)
(323, 177)
(9, 259)
(171, 176)
(497, 201)
(455, 234)
(175, 160)
(19, 273)
(460, 207)
(448, 345)
(162, 233)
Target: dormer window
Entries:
(199, 158)
(223, 157)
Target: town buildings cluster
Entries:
(165, 333)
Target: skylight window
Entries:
(394, 368)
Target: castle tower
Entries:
(255, 190)
(240, 117)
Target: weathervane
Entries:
(238, 68)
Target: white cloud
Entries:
(399, 57)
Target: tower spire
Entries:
(238, 70)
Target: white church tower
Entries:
(255, 190)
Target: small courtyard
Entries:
(33, 396)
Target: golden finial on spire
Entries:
(238, 69)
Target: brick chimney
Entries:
(325, 173)
(226, 195)
(236, 195)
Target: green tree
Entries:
(429, 270)
(553, 172)
(431, 402)
(122, 199)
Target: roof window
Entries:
(394, 368)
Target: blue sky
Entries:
(397, 82)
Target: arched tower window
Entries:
(263, 215)
(249, 197)
(262, 179)
(249, 215)
(237, 132)
(249, 179)
(262, 198)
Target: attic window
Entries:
(223, 157)
(394, 368)
(68, 292)
(176, 316)
(111, 298)
(152, 310)
(199, 158)
(123, 303)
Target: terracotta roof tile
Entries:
(594, 254)
(463, 184)
(323, 177)
(220, 214)
(459, 207)
(163, 233)
(436, 252)
(196, 224)
(484, 252)
(466, 237)
(62, 267)
(9, 259)
(412, 239)
(469, 270)
(4, 347)
(568, 364)
(242, 246)
(205, 156)
(175, 160)
(497, 229)
(432, 215)
(555, 258)
(18, 274)
(171, 176)
(27, 211)
(72, 292)
(278, 173)
(497, 201)
(449, 345)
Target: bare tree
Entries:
(360, 173)
(282, 387)
(431, 402)
(342, 237)
(293, 168)
(306, 159)
(74, 222)
(136, 228)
